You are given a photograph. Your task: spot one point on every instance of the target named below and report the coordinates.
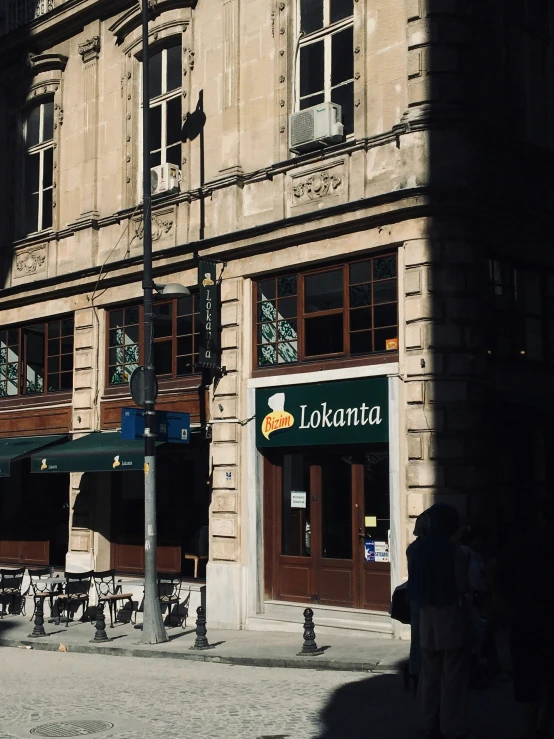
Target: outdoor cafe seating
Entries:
(108, 592)
(76, 593)
(11, 582)
(68, 593)
(169, 596)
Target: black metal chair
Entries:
(110, 593)
(11, 582)
(41, 588)
(169, 595)
(76, 593)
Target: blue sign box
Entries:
(170, 426)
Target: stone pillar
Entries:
(90, 51)
(437, 37)
(444, 375)
(224, 577)
(230, 138)
(85, 405)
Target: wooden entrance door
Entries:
(316, 503)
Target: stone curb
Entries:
(302, 663)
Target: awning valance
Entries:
(21, 446)
(95, 452)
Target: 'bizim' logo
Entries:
(279, 418)
(116, 462)
(43, 466)
(207, 280)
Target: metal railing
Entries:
(18, 13)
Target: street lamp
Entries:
(153, 630)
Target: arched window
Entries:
(38, 133)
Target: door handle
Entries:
(360, 535)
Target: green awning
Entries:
(96, 452)
(19, 447)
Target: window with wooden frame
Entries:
(326, 56)
(176, 334)
(38, 172)
(346, 310)
(37, 359)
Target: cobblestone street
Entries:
(151, 698)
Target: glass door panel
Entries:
(336, 507)
(295, 516)
(374, 528)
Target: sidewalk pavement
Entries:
(254, 648)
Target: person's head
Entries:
(443, 519)
(421, 527)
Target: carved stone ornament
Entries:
(90, 49)
(31, 261)
(46, 62)
(317, 186)
(159, 228)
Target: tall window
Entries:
(166, 78)
(39, 167)
(176, 333)
(37, 358)
(347, 310)
(517, 320)
(326, 70)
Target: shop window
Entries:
(123, 344)
(37, 359)
(176, 336)
(517, 325)
(347, 310)
(326, 56)
(165, 78)
(38, 171)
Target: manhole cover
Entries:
(71, 728)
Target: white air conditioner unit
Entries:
(164, 178)
(315, 127)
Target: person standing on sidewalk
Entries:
(421, 529)
(438, 572)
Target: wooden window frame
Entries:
(22, 335)
(174, 339)
(301, 316)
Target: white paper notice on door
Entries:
(381, 551)
(297, 499)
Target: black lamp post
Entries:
(153, 630)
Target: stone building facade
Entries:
(418, 193)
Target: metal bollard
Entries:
(38, 629)
(309, 648)
(100, 634)
(201, 641)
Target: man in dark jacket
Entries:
(438, 582)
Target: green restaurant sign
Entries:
(346, 412)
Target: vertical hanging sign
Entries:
(209, 315)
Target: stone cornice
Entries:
(353, 216)
(131, 19)
(63, 22)
(46, 62)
